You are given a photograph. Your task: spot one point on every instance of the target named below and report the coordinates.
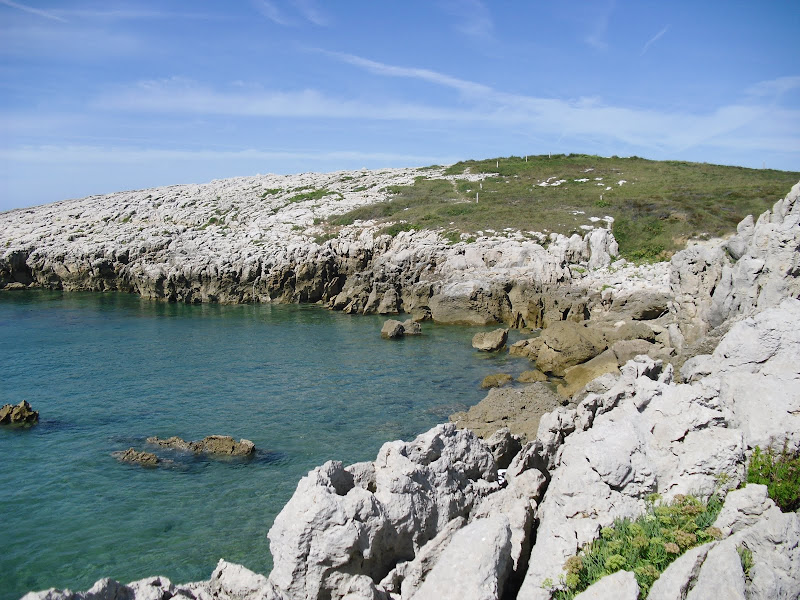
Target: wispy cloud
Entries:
(272, 12)
(312, 13)
(653, 40)
(774, 87)
(472, 18)
(298, 12)
(34, 11)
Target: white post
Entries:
(526, 158)
(480, 183)
(476, 197)
(498, 164)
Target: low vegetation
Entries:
(779, 470)
(645, 546)
(656, 205)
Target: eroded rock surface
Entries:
(19, 414)
(212, 444)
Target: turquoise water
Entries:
(105, 371)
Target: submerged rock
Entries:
(212, 444)
(20, 414)
(496, 380)
(146, 459)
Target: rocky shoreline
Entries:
(438, 517)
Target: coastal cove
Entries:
(107, 370)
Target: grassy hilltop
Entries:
(657, 206)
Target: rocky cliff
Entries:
(264, 238)
(437, 518)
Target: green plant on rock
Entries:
(645, 546)
(779, 470)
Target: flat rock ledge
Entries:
(20, 414)
(212, 444)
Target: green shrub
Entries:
(645, 546)
(393, 230)
(780, 472)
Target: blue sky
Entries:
(104, 96)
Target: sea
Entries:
(107, 370)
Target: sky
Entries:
(104, 96)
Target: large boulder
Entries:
(496, 380)
(565, 344)
(392, 329)
(131, 455)
(346, 528)
(20, 414)
(490, 341)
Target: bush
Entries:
(780, 472)
(645, 546)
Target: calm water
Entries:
(105, 371)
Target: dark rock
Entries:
(146, 459)
(392, 329)
(21, 414)
(411, 327)
(212, 444)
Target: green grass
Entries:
(779, 470)
(645, 546)
(662, 205)
(312, 195)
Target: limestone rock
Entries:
(532, 376)
(565, 344)
(474, 565)
(504, 446)
(576, 378)
(146, 459)
(392, 329)
(20, 414)
(333, 530)
(496, 380)
(411, 327)
(617, 586)
(490, 341)
(519, 409)
(743, 508)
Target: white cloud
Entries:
(775, 87)
(654, 39)
(312, 13)
(34, 11)
(472, 18)
(272, 12)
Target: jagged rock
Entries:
(333, 530)
(389, 303)
(517, 502)
(407, 576)
(643, 435)
(150, 588)
(721, 575)
(756, 269)
(392, 329)
(20, 414)
(675, 581)
(519, 409)
(525, 348)
(743, 508)
(533, 376)
(474, 565)
(230, 581)
(617, 586)
(146, 459)
(212, 444)
(490, 341)
(411, 327)
(504, 446)
(496, 380)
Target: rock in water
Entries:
(212, 444)
(411, 327)
(146, 459)
(392, 329)
(490, 341)
(21, 414)
(496, 380)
